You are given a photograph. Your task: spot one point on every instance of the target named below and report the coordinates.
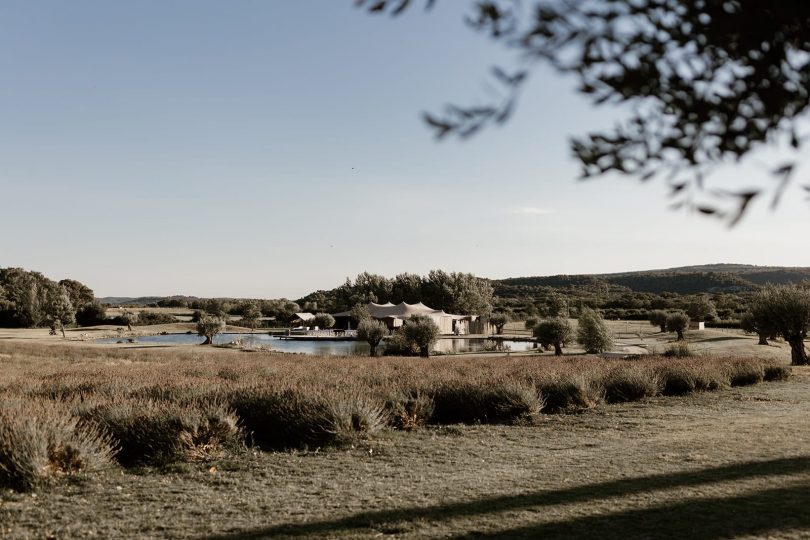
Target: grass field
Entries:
(729, 462)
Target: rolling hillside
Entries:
(708, 278)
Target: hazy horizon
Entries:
(272, 149)
(301, 295)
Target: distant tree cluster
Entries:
(29, 299)
(453, 292)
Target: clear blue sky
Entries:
(269, 148)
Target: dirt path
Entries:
(733, 463)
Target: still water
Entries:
(320, 348)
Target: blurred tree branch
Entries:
(707, 81)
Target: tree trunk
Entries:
(557, 350)
(129, 327)
(763, 339)
(62, 328)
(373, 351)
(663, 328)
(424, 352)
(208, 340)
(680, 335)
(798, 355)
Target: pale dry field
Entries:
(727, 464)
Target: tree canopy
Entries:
(422, 332)
(372, 332)
(785, 309)
(555, 331)
(592, 332)
(454, 292)
(706, 81)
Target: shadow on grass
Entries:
(721, 338)
(762, 513)
(705, 519)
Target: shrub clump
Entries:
(568, 392)
(158, 433)
(485, 402)
(629, 384)
(299, 418)
(409, 410)
(679, 349)
(40, 442)
(592, 332)
(743, 373)
(677, 380)
(776, 372)
(398, 345)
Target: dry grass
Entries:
(551, 475)
(169, 405)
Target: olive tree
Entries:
(372, 332)
(209, 326)
(422, 332)
(592, 332)
(658, 318)
(60, 309)
(323, 320)
(556, 331)
(499, 320)
(128, 318)
(701, 308)
(786, 309)
(251, 314)
(678, 322)
(530, 323)
(750, 324)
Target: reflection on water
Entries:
(322, 348)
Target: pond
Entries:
(320, 348)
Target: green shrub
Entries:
(679, 349)
(352, 415)
(592, 332)
(776, 372)
(629, 384)
(298, 418)
(148, 318)
(398, 345)
(41, 441)
(485, 403)
(408, 410)
(745, 373)
(158, 433)
(676, 380)
(566, 393)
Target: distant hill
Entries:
(142, 300)
(709, 278)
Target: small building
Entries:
(697, 325)
(302, 319)
(394, 316)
